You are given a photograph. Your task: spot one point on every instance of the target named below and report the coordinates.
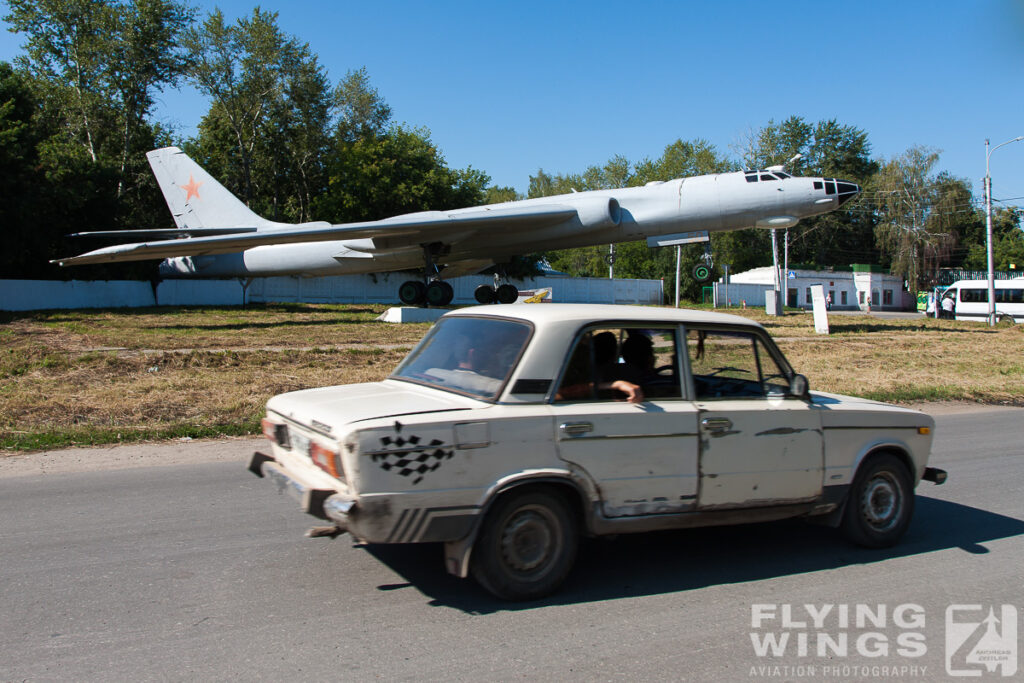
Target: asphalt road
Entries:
(201, 571)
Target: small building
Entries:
(851, 290)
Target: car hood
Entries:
(852, 411)
(326, 409)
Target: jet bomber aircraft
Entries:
(218, 236)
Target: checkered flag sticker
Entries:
(409, 458)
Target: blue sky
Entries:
(512, 87)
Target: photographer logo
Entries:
(981, 639)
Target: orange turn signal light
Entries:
(324, 458)
(269, 429)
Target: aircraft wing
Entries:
(432, 226)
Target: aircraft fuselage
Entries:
(718, 202)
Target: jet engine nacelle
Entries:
(597, 213)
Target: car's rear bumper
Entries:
(318, 502)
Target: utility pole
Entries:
(785, 265)
(988, 230)
(776, 284)
(679, 258)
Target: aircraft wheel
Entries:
(439, 293)
(702, 272)
(507, 294)
(412, 292)
(484, 294)
(449, 293)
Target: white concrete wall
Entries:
(737, 293)
(34, 295)
(383, 288)
(29, 295)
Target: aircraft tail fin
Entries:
(195, 198)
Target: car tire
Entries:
(527, 545)
(880, 503)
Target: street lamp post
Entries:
(988, 229)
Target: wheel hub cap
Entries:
(526, 542)
(881, 502)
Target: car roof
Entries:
(543, 314)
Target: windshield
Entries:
(468, 355)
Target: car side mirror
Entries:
(798, 387)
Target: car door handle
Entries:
(716, 425)
(576, 428)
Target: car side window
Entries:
(732, 364)
(644, 357)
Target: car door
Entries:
(759, 445)
(641, 457)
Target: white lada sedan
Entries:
(511, 431)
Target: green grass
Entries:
(93, 436)
(126, 375)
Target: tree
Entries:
(93, 68)
(916, 221)
(266, 131)
(99, 63)
(499, 195)
(399, 172)
(362, 112)
(1007, 240)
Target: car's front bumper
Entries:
(318, 502)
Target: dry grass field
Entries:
(94, 377)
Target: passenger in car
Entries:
(638, 359)
(581, 379)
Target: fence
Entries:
(29, 295)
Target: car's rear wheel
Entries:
(527, 545)
(881, 503)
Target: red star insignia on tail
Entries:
(192, 189)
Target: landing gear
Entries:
(485, 294)
(434, 291)
(439, 293)
(412, 293)
(702, 271)
(507, 294)
(499, 293)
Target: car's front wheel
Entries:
(527, 545)
(881, 503)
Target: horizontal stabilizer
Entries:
(163, 233)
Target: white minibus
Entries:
(970, 299)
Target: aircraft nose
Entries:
(845, 191)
